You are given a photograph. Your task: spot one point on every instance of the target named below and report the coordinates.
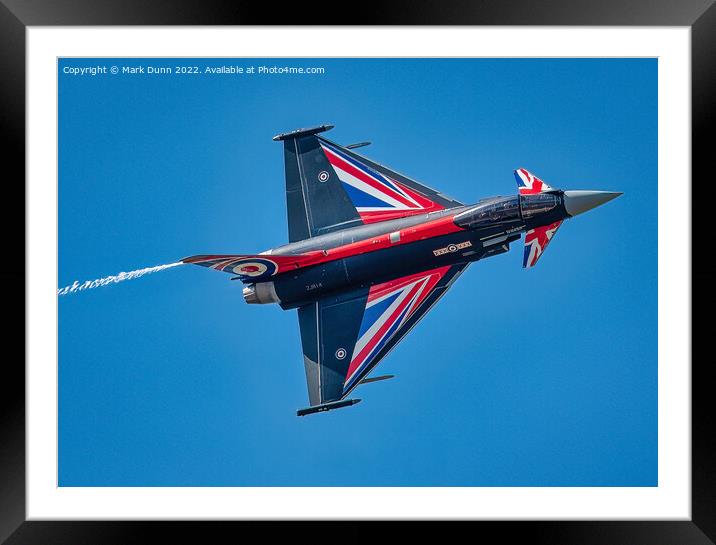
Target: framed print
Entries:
(552, 391)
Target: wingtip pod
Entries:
(323, 407)
(302, 132)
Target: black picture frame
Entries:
(16, 15)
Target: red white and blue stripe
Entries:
(389, 306)
(377, 197)
(528, 183)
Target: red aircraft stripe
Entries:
(284, 263)
(441, 226)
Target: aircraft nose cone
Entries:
(576, 202)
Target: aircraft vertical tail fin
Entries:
(536, 241)
(528, 183)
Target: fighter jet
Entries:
(371, 251)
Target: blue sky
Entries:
(541, 377)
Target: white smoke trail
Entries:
(121, 277)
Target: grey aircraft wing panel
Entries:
(329, 329)
(316, 201)
(345, 337)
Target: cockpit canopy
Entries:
(504, 209)
(537, 204)
(493, 211)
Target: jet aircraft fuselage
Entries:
(371, 251)
(371, 254)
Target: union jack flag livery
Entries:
(528, 183)
(376, 197)
(389, 306)
(536, 241)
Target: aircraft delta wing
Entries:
(344, 337)
(329, 188)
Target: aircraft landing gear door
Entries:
(395, 237)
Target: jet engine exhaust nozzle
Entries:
(260, 294)
(578, 202)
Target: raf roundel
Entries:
(341, 353)
(255, 267)
(323, 176)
